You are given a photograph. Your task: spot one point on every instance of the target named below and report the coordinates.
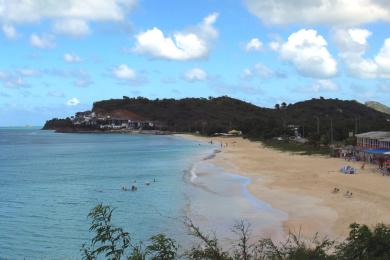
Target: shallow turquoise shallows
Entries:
(50, 181)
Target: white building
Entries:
(374, 140)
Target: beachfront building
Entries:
(374, 147)
(374, 140)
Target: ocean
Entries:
(50, 181)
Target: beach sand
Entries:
(302, 186)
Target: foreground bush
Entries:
(111, 242)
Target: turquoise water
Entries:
(50, 181)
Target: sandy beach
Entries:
(302, 187)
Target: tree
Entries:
(244, 247)
(162, 248)
(209, 249)
(364, 243)
(113, 243)
(109, 240)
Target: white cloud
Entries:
(72, 27)
(351, 40)
(333, 12)
(73, 102)
(383, 59)
(17, 78)
(123, 72)
(259, 70)
(254, 45)
(307, 51)
(191, 44)
(71, 58)
(353, 45)
(15, 82)
(9, 31)
(323, 85)
(34, 10)
(43, 41)
(12, 80)
(274, 45)
(65, 12)
(195, 74)
(247, 73)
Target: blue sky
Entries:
(58, 57)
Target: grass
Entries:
(303, 149)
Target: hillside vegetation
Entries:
(315, 118)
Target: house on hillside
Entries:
(121, 118)
(116, 119)
(87, 118)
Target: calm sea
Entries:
(49, 182)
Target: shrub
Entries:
(113, 243)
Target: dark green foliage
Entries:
(213, 115)
(137, 253)
(293, 249)
(364, 243)
(221, 114)
(346, 116)
(208, 116)
(111, 242)
(209, 249)
(162, 248)
(304, 149)
(114, 243)
(56, 123)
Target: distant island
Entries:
(318, 120)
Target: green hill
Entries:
(378, 106)
(221, 114)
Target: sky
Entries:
(58, 57)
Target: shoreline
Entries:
(218, 199)
(302, 186)
(100, 131)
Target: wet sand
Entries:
(220, 199)
(302, 186)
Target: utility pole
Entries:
(331, 131)
(318, 125)
(356, 125)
